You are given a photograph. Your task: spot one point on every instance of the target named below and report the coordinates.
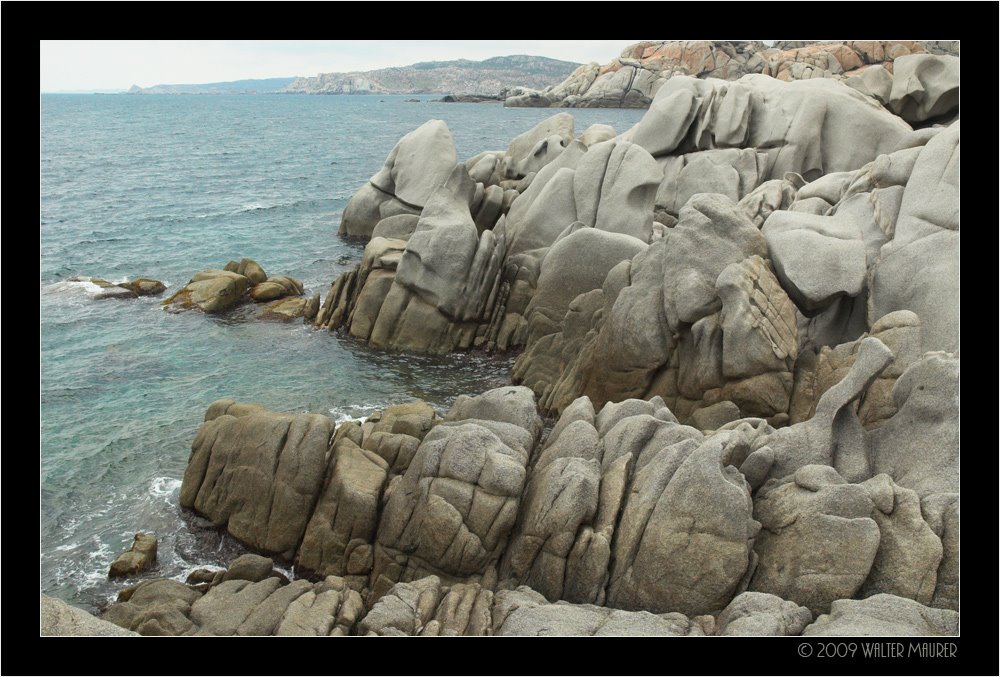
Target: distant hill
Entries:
(264, 86)
(489, 77)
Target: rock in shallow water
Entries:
(143, 286)
(140, 557)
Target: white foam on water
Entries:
(74, 286)
(183, 575)
(289, 572)
(164, 486)
(339, 418)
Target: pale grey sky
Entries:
(100, 64)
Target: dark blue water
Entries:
(165, 186)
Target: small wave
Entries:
(359, 413)
(164, 486)
(68, 546)
(255, 206)
(289, 572)
(73, 286)
(103, 240)
(187, 571)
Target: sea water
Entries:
(166, 186)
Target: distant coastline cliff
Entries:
(258, 86)
(489, 77)
(494, 78)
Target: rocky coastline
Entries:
(633, 79)
(735, 406)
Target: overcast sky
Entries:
(94, 65)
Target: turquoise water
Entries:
(165, 186)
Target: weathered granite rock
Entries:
(224, 608)
(250, 601)
(769, 197)
(688, 114)
(406, 609)
(414, 169)
(249, 567)
(597, 133)
(276, 287)
(453, 509)
(330, 608)
(833, 436)
(686, 533)
(883, 615)
(525, 612)
(815, 265)
(732, 172)
(426, 608)
(641, 70)
(758, 614)
(287, 309)
(435, 294)
(212, 291)
(622, 507)
(219, 290)
(715, 415)
(874, 81)
(575, 264)
(251, 270)
(140, 557)
(919, 446)
(338, 538)
(156, 607)
(818, 541)
(909, 553)
(258, 473)
(943, 515)
(561, 496)
(835, 233)
(817, 372)
(697, 312)
(143, 286)
(919, 269)
(57, 618)
(524, 145)
(398, 227)
(925, 87)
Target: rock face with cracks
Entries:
(741, 317)
(621, 520)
